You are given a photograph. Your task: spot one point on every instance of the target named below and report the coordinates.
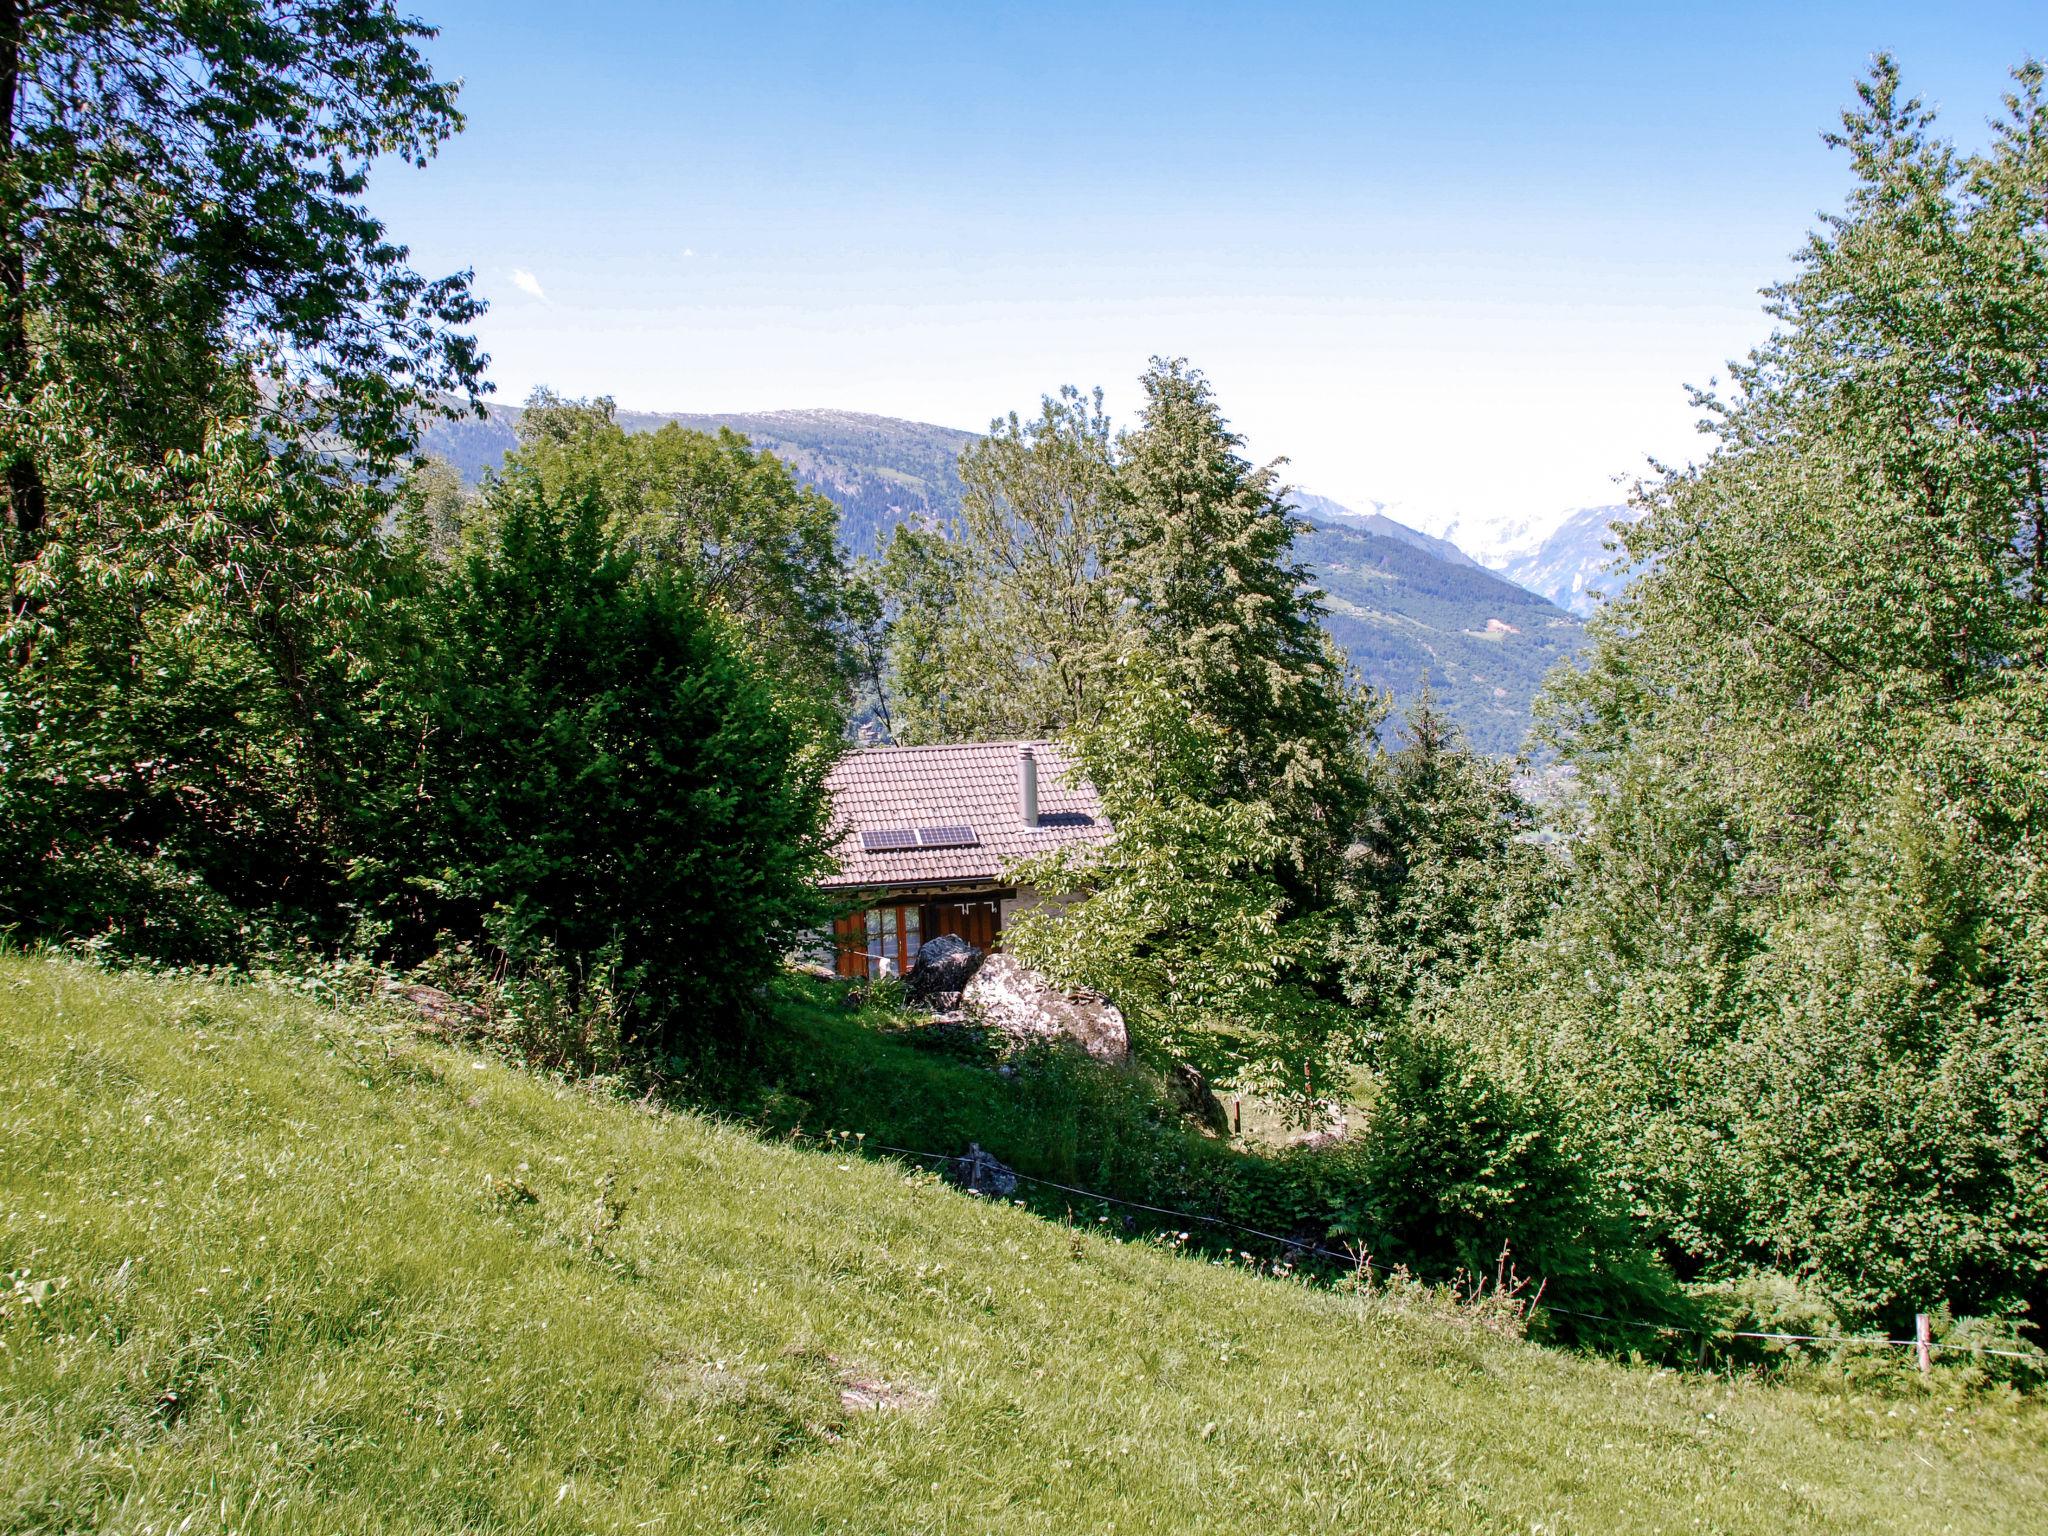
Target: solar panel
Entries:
(888, 840)
(947, 837)
(1065, 819)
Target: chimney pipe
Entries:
(1027, 786)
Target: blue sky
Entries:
(1462, 257)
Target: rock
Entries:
(943, 968)
(443, 1010)
(1018, 1002)
(980, 1172)
(1190, 1091)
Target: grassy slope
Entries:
(285, 1298)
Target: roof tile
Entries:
(970, 784)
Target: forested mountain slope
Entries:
(1404, 605)
(878, 470)
(1403, 614)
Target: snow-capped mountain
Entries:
(1577, 563)
(1563, 556)
(1379, 519)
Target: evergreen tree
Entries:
(1188, 924)
(1205, 566)
(611, 778)
(1444, 874)
(1230, 754)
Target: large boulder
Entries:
(1015, 1000)
(943, 967)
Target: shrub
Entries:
(614, 784)
(1465, 1158)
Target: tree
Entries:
(1231, 757)
(180, 204)
(761, 547)
(1187, 924)
(215, 709)
(211, 357)
(920, 681)
(1205, 567)
(1003, 622)
(1798, 978)
(613, 779)
(1444, 874)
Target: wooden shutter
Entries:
(850, 944)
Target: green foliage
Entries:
(1795, 987)
(1442, 877)
(183, 206)
(760, 547)
(1002, 623)
(1466, 1162)
(611, 777)
(211, 358)
(1188, 924)
(1207, 569)
(912, 667)
(205, 712)
(1229, 751)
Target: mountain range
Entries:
(1576, 564)
(1404, 605)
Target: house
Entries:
(926, 835)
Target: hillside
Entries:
(1401, 614)
(1403, 604)
(276, 1268)
(1572, 566)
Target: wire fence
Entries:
(1360, 1262)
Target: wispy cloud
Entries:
(528, 284)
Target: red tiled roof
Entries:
(973, 784)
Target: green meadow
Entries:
(274, 1266)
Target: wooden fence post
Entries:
(1923, 1341)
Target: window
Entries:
(892, 940)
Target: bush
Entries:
(201, 706)
(1465, 1159)
(613, 782)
